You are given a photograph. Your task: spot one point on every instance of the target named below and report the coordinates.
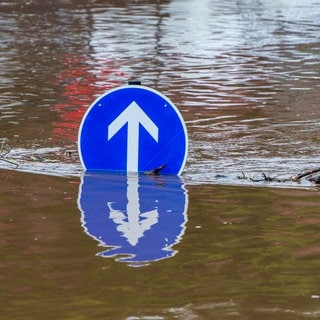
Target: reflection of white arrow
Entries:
(133, 115)
(134, 224)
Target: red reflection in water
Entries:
(83, 80)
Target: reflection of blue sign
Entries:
(138, 217)
(133, 129)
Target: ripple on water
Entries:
(244, 75)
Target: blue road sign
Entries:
(133, 129)
(137, 218)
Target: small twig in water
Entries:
(10, 162)
(156, 170)
(305, 174)
(243, 176)
(2, 158)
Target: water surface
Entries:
(246, 253)
(245, 76)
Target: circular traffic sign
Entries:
(133, 129)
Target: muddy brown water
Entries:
(246, 77)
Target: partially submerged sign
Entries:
(133, 129)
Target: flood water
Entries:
(245, 76)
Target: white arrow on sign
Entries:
(133, 115)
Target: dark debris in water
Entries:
(310, 175)
(155, 171)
